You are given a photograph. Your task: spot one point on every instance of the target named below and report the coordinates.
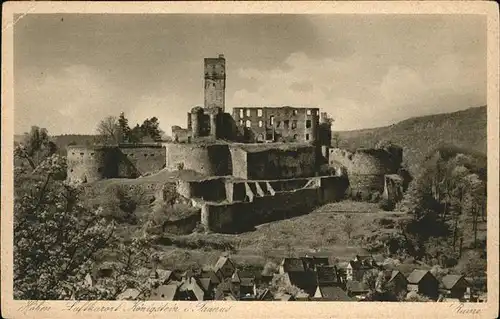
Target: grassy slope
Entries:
(321, 229)
(420, 135)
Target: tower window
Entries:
(285, 124)
(307, 137)
(259, 112)
(248, 123)
(260, 123)
(294, 124)
(308, 123)
(308, 112)
(271, 119)
(294, 112)
(248, 113)
(241, 113)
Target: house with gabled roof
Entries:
(356, 289)
(310, 262)
(225, 289)
(331, 293)
(158, 277)
(208, 281)
(165, 293)
(396, 281)
(357, 267)
(455, 286)
(224, 267)
(423, 282)
(291, 265)
(191, 289)
(328, 276)
(305, 280)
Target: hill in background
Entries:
(420, 135)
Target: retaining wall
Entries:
(256, 209)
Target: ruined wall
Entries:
(239, 162)
(273, 163)
(365, 161)
(182, 135)
(237, 216)
(278, 123)
(211, 159)
(366, 168)
(213, 189)
(90, 164)
(240, 216)
(137, 160)
(277, 164)
(333, 188)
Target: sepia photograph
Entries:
(220, 158)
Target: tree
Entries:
(270, 268)
(56, 238)
(109, 130)
(35, 147)
(336, 140)
(124, 128)
(151, 128)
(370, 279)
(413, 296)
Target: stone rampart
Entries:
(366, 168)
(207, 159)
(90, 164)
(263, 204)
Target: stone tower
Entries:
(215, 82)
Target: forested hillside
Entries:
(420, 135)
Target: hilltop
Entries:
(420, 135)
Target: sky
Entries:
(73, 70)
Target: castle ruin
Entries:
(254, 165)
